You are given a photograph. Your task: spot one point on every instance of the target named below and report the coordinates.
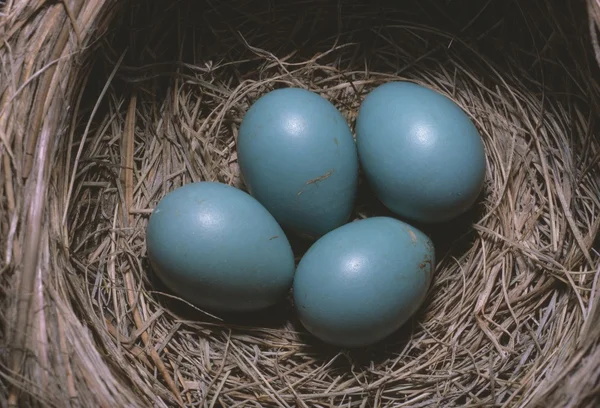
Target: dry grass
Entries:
(106, 106)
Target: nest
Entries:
(108, 105)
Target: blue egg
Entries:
(359, 283)
(420, 152)
(220, 249)
(298, 158)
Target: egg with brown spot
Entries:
(298, 158)
(361, 282)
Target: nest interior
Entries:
(106, 106)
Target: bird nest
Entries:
(107, 105)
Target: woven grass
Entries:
(106, 106)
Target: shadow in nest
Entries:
(360, 357)
(274, 317)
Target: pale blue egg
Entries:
(220, 249)
(421, 154)
(361, 282)
(298, 158)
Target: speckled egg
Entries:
(420, 152)
(359, 283)
(298, 158)
(220, 249)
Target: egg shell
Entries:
(297, 156)
(361, 282)
(220, 249)
(421, 154)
